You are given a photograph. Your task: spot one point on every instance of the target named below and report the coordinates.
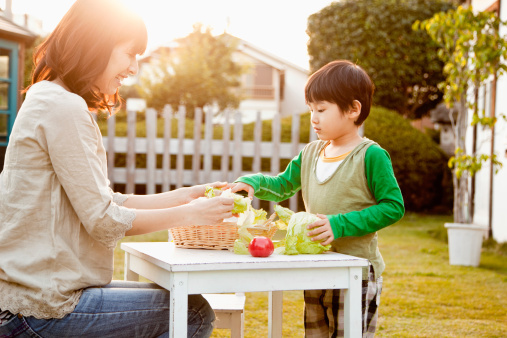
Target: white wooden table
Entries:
(197, 271)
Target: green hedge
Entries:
(419, 164)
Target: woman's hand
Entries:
(240, 186)
(211, 210)
(322, 231)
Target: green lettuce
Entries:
(211, 192)
(241, 203)
(284, 216)
(245, 220)
(240, 248)
(297, 241)
(260, 216)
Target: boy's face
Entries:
(330, 122)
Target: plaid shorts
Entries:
(324, 315)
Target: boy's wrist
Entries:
(333, 221)
(250, 181)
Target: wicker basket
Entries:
(218, 237)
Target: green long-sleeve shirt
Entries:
(381, 183)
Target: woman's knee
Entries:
(200, 306)
(201, 317)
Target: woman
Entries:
(59, 220)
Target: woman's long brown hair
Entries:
(78, 50)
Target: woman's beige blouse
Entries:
(59, 220)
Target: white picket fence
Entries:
(202, 150)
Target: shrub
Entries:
(419, 163)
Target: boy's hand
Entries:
(240, 186)
(322, 231)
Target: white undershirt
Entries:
(326, 166)
(325, 169)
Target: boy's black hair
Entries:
(341, 82)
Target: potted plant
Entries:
(473, 51)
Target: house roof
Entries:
(10, 28)
(266, 57)
(244, 47)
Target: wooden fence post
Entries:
(208, 136)
(226, 141)
(151, 158)
(237, 158)
(295, 131)
(131, 152)
(256, 160)
(276, 132)
(196, 156)
(111, 133)
(180, 159)
(166, 154)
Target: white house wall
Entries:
(294, 97)
(293, 101)
(500, 179)
(249, 109)
(481, 215)
(482, 178)
(482, 5)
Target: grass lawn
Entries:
(423, 295)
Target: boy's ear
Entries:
(355, 110)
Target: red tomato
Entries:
(261, 246)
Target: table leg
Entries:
(275, 314)
(178, 311)
(352, 306)
(128, 274)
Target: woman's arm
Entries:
(169, 199)
(198, 212)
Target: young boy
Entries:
(348, 181)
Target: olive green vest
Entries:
(346, 190)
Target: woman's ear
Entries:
(355, 110)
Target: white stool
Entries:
(229, 310)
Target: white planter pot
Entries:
(465, 243)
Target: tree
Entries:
(473, 51)
(200, 71)
(28, 60)
(378, 35)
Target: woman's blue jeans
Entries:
(120, 309)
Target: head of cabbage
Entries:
(297, 241)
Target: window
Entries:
(258, 84)
(8, 85)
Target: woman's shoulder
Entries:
(48, 100)
(54, 93)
